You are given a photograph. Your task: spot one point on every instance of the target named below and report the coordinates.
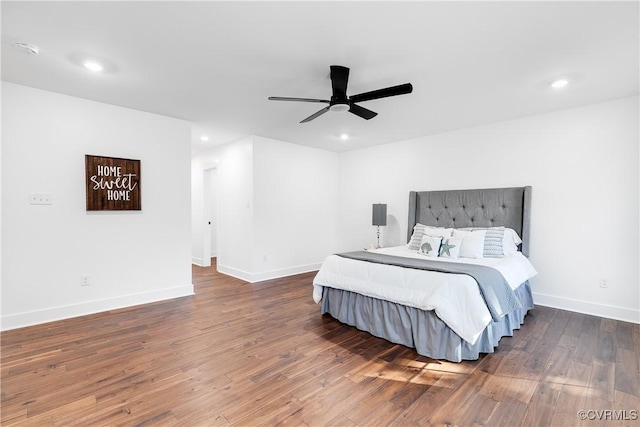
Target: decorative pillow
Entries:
(419, 231)
(430, 246)
(450, 248)
(472, 245)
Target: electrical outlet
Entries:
(604, 282)
(85, 280)
(40, 199)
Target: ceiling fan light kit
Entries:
(340, 102)
(339, 108)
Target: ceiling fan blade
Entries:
(282, 98)
(383, 93)
(362, 112)
(339, 79)
(316, 114)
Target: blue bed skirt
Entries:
(420, 329)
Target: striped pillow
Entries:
(416, 237)
(493, 243)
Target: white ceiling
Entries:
(215, 63)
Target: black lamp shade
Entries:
(379, 214)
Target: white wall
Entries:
(131, 257)
(235, 208)
(276, 207)
(583, 166)
(295, 196)
(197, 214)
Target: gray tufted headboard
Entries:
(492, 207)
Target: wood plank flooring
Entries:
(248, 355)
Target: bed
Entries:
(446, 307)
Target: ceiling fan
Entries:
(341, 102)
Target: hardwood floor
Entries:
(261, 354)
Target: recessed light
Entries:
(29, 49)
(204, 138)
(560, 83)
(344, 137)
(93, 66)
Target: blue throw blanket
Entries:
(495, 290)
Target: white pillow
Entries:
(510, 242)
(430, 246)
(438, 232)
(450, 248)
(510, 232)
(472, 245)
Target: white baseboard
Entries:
(200, 262)
(20, 320)
(267, 275)
(234, 272)
(586, 307)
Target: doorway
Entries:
(210, 235)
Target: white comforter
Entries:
(455, 298)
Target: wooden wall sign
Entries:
(113, 184)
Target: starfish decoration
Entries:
(446, 247)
